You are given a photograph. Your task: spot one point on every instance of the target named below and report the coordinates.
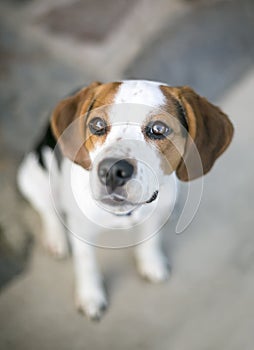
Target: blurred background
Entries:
(49, 48)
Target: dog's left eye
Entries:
(157, 130)
(98, 126)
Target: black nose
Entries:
(114, 173)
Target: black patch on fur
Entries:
(48, 140)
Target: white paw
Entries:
(56, 245)
(91, 301)
(155, 269)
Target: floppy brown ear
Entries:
(70, 134)
(209, 128)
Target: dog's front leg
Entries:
(151, 262)
(90, 296)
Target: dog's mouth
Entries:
(115, 199)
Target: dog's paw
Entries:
(155, 270)
(91, 302)
(56, 245)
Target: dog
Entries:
(116, 152)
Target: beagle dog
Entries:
(110, 161)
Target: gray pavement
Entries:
(208, 301)
(209, 49)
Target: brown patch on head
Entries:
(68, 127)
(172, 147)
(69, 121)
(104, 97)
(210, 132)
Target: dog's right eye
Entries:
(157, 130)
(98, 126)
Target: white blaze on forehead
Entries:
(140, 91)
(135, 100)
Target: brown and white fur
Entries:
(127, 108)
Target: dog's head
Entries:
(132, 134)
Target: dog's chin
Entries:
(114, 200)
(116, 205)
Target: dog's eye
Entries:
(98, 126)
(157, 130)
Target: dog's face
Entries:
(131, 135)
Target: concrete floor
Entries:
(208, 302)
